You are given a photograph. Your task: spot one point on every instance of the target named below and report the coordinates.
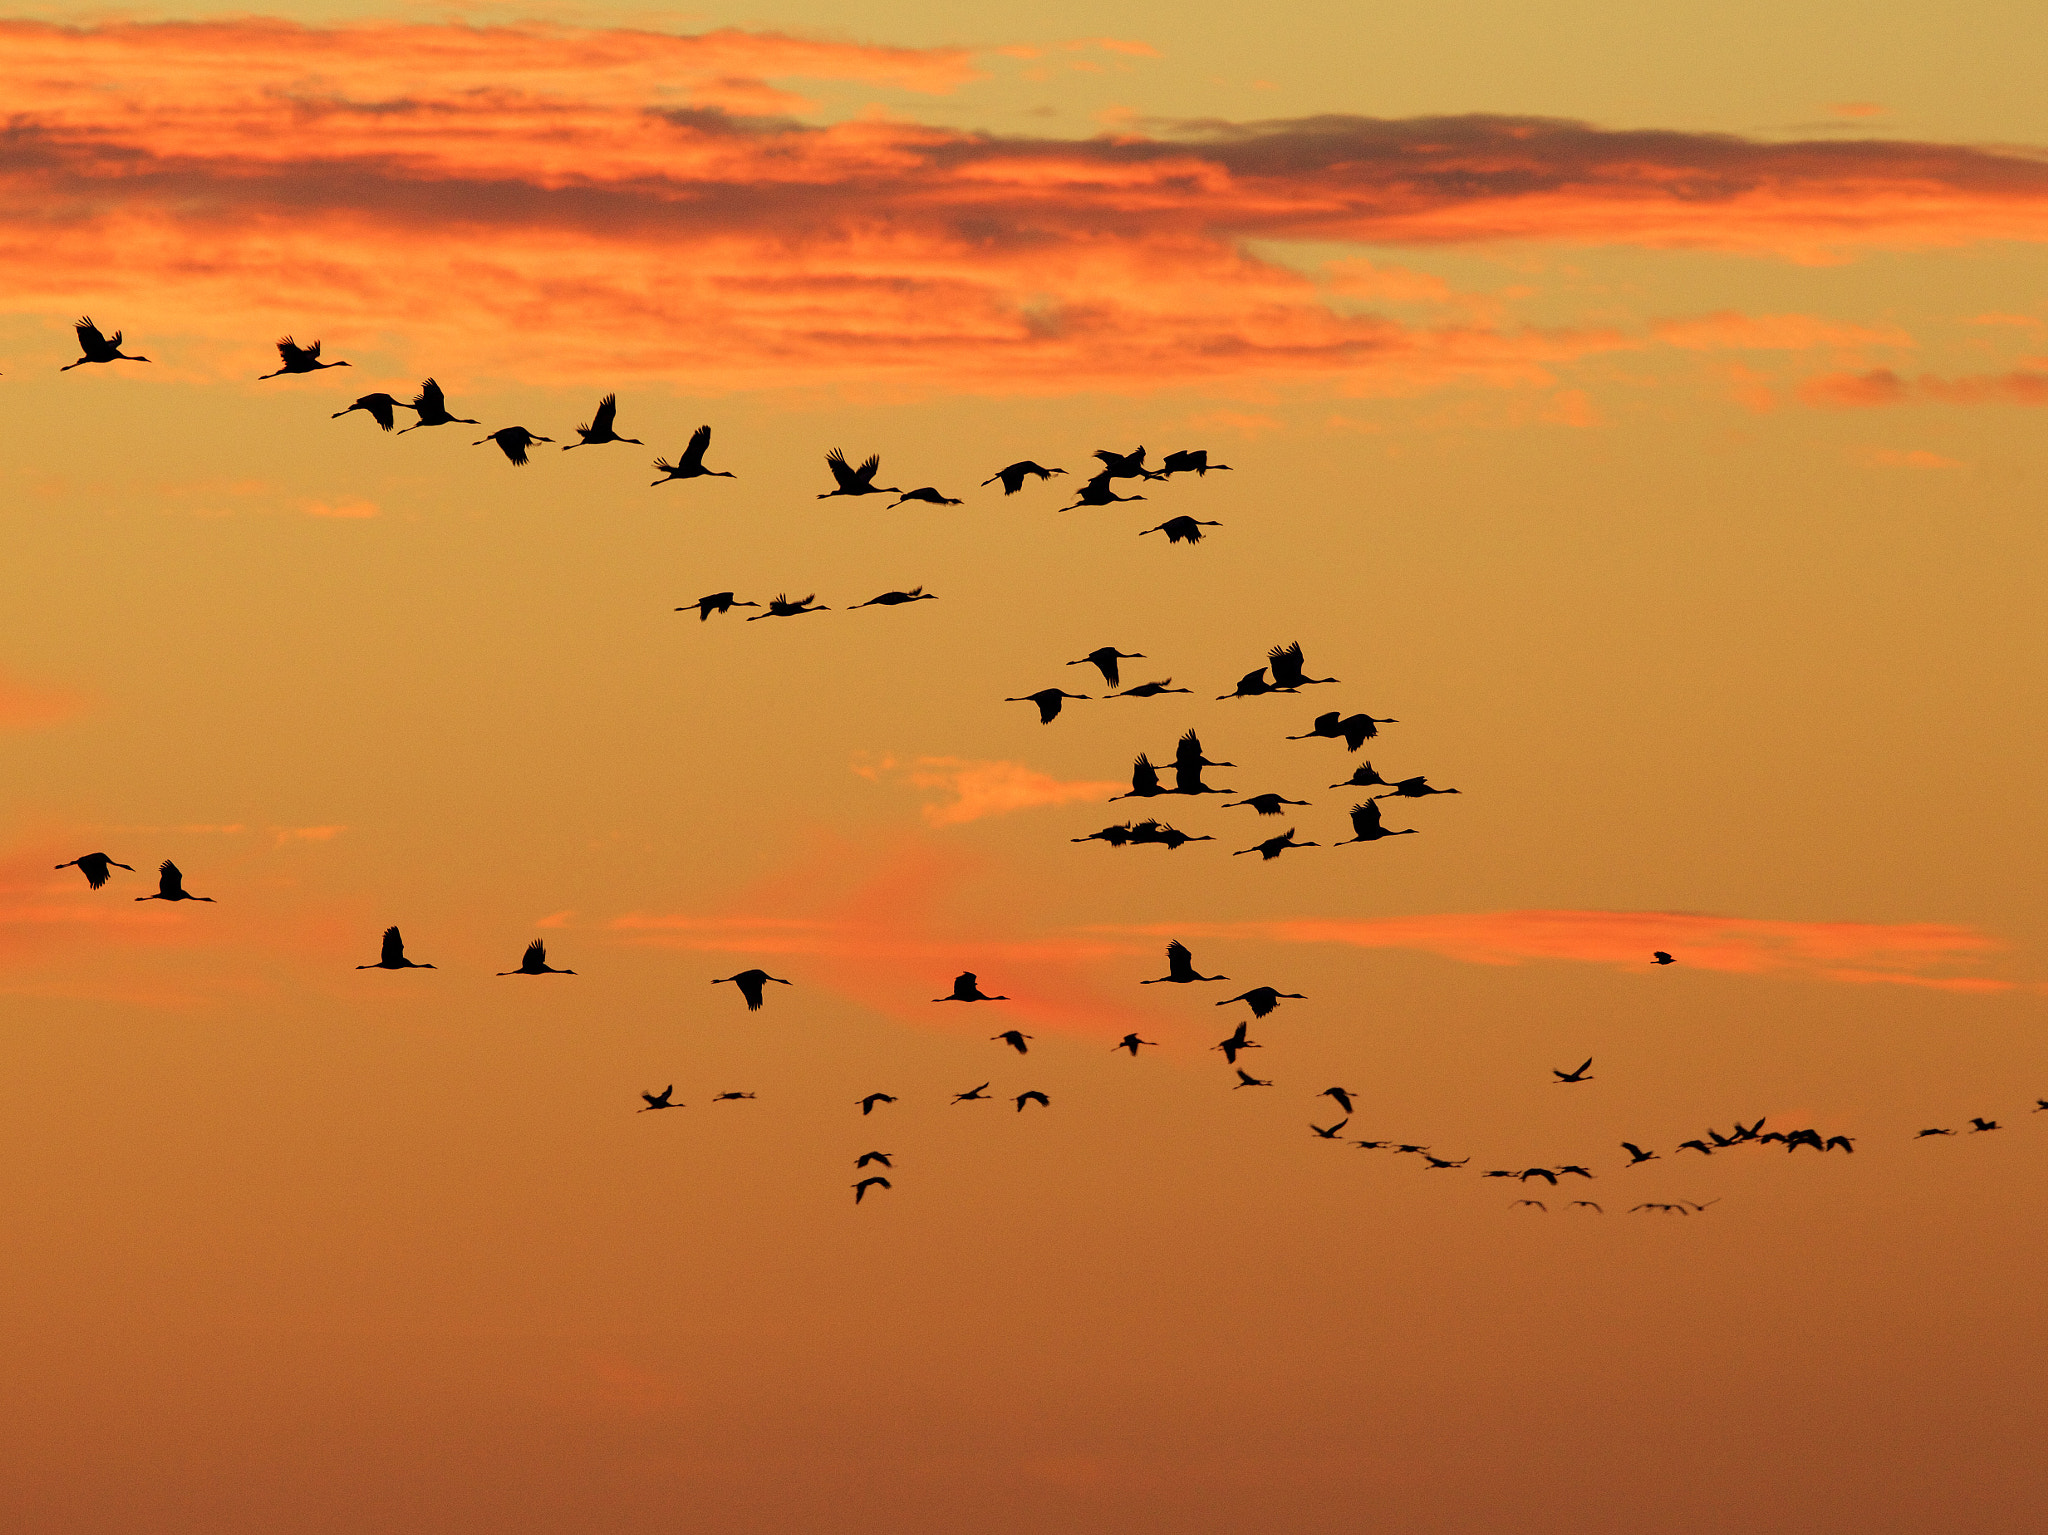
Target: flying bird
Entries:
(1187, 751)
(1115, 836)
(1539, 1172)
(1246, 1079)
(1331, 1133)
(1342, 1095)
(730, 1097)
(1185, 461)
(1266, 804)
(966, 990)
(1104, 659)
(1034, 1096)
(660, 1100)
(1180, 967)
(896, 599)
(1144, 779)
(94, 867)
(97, 348)
(1289, 670)
(975, 1095)
(1413, 788)
(393, 956)
(855, 482)
(1574, 1076)
(1366, 827)
(1636, 1153)
(1252, 684)
(1048, 701)
(297, 359)
(1539, 1204)
(691, 465)
(1925, 1133)
(535, 962)
(1362, 777)
(1178, 530)
(1263, 999)
(860, 1189)
(1151, 690)
(1097, 493)
(1131, 1042)
(170, 886)
(380, 406)
(1580, 1171)
(1125, 466)
(1660, 958)
(923, 493)
(867, 1104)
(1013, 477)
(1585, 1204)
(1187, 778)
(599, 429)
(873, 1156)
(1235, 1043)
(513, 441)
(753, 985)
(1273, 847)
(1976, 1125)
(432, 408)
(779, 606)
(1011, 1037)
(1439, 1164)
(1846, 1142)
(717, 602)
(1702, 1147)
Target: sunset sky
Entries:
(1640, 405)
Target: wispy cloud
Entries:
(1881, 386)
(33, 706)
(1732, 331)
(289, 834)
(981, 788)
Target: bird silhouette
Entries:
(1362, 777)
(1574, 1076)
(1235, 1043)
(1104, 659)
(1499, 1172)
(1381, 1146)
(535, 962)
(1172, 837)
(170, 885)
(1013, 477)
(97, 348)
(1844, 1142)
(973, 1095)
(873, 1156)
(1574, 1170)
(867, 1104)
(1660, 958)
(1700, 1146)
(1636, 1153)
(380, 407)
(1131, 1042)
(1185, 461)
(1539, 1204)
(1414, 1150)
(1331, 1133)
(1353, 730)
(1178, 530)
(1246, 1079)
(1151, 690)
(599, 428)
(1288, 668)
(779, 606)
(1366, 827)
(1273, 847)
(1144, 780)
(661, 1100)
(1048, 701)
(1265, 804)
(94, 867)
(298, 359)
(730, 1097)
(1747, 1132)
(513, 441)
(896, 599)
(690, 466)
(1539, 1172)
(1440, 1164)
(432, 408)
(717, 602)
(1125, 466)
(1925, 1133)
(1115, 836)
(1187, 752)
(393, 956)
(1034, 1096)
(1251, 685)
(1587, 1204)
(2041, 1105)
(855, 482)
(1097, 493)
(923, 493)
(1187, 778)
(965, 989)
(753, 985)
(1263, 999)
(1342, 1095)
(1180, 968)
(1011, 1037)
(1979, 1125)
(860, 1189)
(1413, 788)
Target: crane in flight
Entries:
(1013, 477)
(393, 955)
(298, 359)
(94, 867)
(513, 441)
(752, 984)
(1180, 968)
(96, 347)
(431, 406)
(690, 465)
(170, 886)
(1178, 530)
(535, 962)
(856, 482)
(379, 406)
(717, 602)
(966, 988)
(598, 429)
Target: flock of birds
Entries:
(1284, 672)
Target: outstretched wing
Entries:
(169, 880)
(1287, 663)
(1179, 957)
(292, 355)
(89, 335)
(1189, 749)
(430, 401)
(693, 455)
(1365, 819)
(607, 412)
(841, 470)
(1144, 776)
(394, 946)
(865, 475)
(536, 955)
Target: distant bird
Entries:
(867, 1104)
(380, 406)
(1187, 777)
(599, 429)
(97, 348)
(513, 441)
(1366, 827)
(1011, 1037)
(1115, 836)
(1097, 493)
(1104, 659)
(170, 885)
(1273, 847)
(1353, 730)
(1636, 1153)
(1263, 999)
(1374, 1146)
(1034, 1096)
(1413, 788)
(1747, 1132)
(1266, 804)
(432, 407)
(1131, 1042)
(1178, 530)
(1925, 1133)
(855, 482)
(1125, 466)
(2041, 1104)
(1151, 690)
(1235, 1043)
(1331, 1133)
(923, 493)
(1246, 1079)
(1185, 461)
(1013, 477)
(779, 606)
(1580, 1171)
(1846, 1142)
(94, 867)
(1048, 701)
(1438, 1164)
(535, 962)
(691, 465)
(1180, 967)
(1499, 1172)
(1171, 836)
(1144, 779)
(753, 984)
(1586, 1204)
(717, 602)
(1539, 1172)
(1362, 777)
(860, 1189)
(1578, 1075)
(1539, 1204)
(1697, 1208)
(1414, 1150)
(296, 359)
(1976, 1125)
(1251, 685)
(896, 599)
(660, 1100)
(873, 1156)
(1660, 958)
(1289, 670)
(1700, 1146)
(1342, 1095)
(1187, 751)
(393, 957)
(730, 1097)
(976, 1095)
(965, 989)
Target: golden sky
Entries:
(1639, 405)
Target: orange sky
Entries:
(1640, 411)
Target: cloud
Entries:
(288, 834)
(1909, 458)
(32, 706)
(981, 788)
(1881, 386)
(1730, 331)
(559, 203)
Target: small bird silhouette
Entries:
(1097, 493)
(730, 1097)
(1171, 837)
(1013, 477)
(1104, 659)
(1289, 670)
(1034, 1096)
(660, 1100)
(860, 1189)
(1011, 1037)
(690, 466)
(1660, 958)
(1539, 1204)
(779, 606)
(1342, 1095)
(1266, 804)
(1251, 685)
(1151, 689)
(1048, 701)
(535, 962)
(1362, 777)
(380, 407)
(855, 482)
(1574, 1076)
(867, 1104)
(1263, 999)
(1131, 1042)
(1539, 1172)
(1845, 1142)
(1185, 461)
(1579, 1171)
(1413, 788)
(393, 957)
(923, 493)
(513, 441)
(717, 602)
(1636, 1153)
(298, 359)
(1115, 836)
(1331, 1133)
(1178, 530)
(1246, 1079)
(1187, 778)
(1273, 847)
(873, 1156)
(1144, 779)
(432, 408)
(97, 348)
(896, 599)
(1187, 752)
(1700, 1146)
(753, 985)
(1979, 1125)
(1353, 730)
(170, 885)
(1180, 967)
(1439, 1164)
(1586, 1204)
(1366, 827)
(974, 1095)
(94, 867)
(599, 428)
(1235, 1043)
(1125, 466)
(1925, 1133)
(965, 989)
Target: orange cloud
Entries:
(1910, 458)
(30, 706)
(1729, 331)
(981, 788)
(1881, 386)
(287, 834)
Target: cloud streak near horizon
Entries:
(551, 203)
